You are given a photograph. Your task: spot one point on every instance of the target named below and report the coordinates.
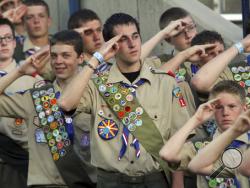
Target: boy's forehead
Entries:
(36, 9)
(5, 29)
(62, 48)
(125, 29)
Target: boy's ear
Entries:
(81, 58)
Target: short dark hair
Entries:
(117, 19)
(68, 37)
(80, 17)
(231, 87)
(4, 21)
(172, 14)
(206, 37)
(38, 3)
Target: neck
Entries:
(63, 82)
(5, 63)
(19, 28)
(87, 56)
(127, 68)
(41, 41)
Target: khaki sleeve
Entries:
(16, 105)
(180, 113)
(86, 102)
(225, 75)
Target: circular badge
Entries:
(182, 71)
(121, 114)
(53, 149)
(113, 89)
(64, 135)
(66, 142)
(50, 118)
(39, 108)
(123, 102)
(242, 84)
(49, 135)
(247, 82)
(35, 94)
(116, 107)
(106, 94)
(234, 70)
(125, 120)
(44, 98)
(237, 77)
(127, 108)
(139, 111)
(62, 152)
(53, 125)
(57, 114)
(37, 101)
(52, 95)
(198, 145)
(131, 127)
(107, 129)
(245, 76)
(98, 81)
(50, 90)
(60, 121)
(55, 132)
(52, 142)
(132, 115)
(129, 97)
(55, 156)
(43, 92)
(54, 108)
(59, 145)
(45, 104)
(138, 122)
(118, 96)
(241, 69)
(41, 115)
(59, 138)
(53, 101)
(102, 88)
(46, 129)
(48, 111)
(62, 129)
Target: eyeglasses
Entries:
(188, 29)
(6, 38)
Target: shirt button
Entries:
(132, 162)
(155, 116)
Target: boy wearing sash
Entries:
(50, 132)
(14, 140)
(227, 104)
(134, 111)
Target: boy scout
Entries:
(228, 102)
(50, 139)
(124, 162)
(13, 130)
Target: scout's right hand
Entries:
(110, 48)
(246, 43)
(36, 62)
(15, 15)
(197, 52)
(242, 124)
(174, 28)
(205, 111)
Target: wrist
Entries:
(239, 46)
(99, 57)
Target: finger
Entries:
(81, 30)
(214, 101)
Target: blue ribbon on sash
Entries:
(125, 134)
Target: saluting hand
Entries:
(206, 110)
(246, 43)
(36, 62)
(242, 124)
(15, 15)
(197, 52)
(174, 28)
(109, 48)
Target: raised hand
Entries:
(109, 48)
(206, 110)
(197, 52)
(15, 15)
(174, 28)
(246, 43)
(36, 62)
(242, 124)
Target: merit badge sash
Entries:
(241, 74)
(51, 120)
(132, 115)
(57, 136)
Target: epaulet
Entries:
(41, 83)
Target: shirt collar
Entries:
(28, 44)
(115, 74)
(242, 138)
(10, 67)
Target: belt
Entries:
(123, 178)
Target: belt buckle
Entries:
(132, 179)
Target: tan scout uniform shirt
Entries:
(225, 75)
(155, 62)
(188, 153)
(42, 169)
(16, 129)
(156, 97)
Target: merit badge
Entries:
(131, 127)
(121, 114)
(113, 89)
(129, 97)
(39, 136)
(102, 88)
(85, 140)
(139, 111)
(138, 122)
(177, 92)
(107, 129)
(18, 122)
